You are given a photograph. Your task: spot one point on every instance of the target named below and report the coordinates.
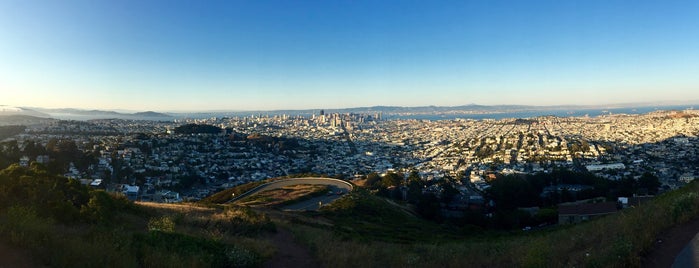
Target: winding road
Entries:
(311, 204)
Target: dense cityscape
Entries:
(349, 134)
(189, 159)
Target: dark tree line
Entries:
(512, 191)
(197, 129)
(57, 197)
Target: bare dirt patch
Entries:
(289, 253)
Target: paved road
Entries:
(311, 204)
(316, 202)
(689, 256)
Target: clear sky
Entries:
(258, 55)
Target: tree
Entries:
(448, 192)
(391, 179)
(415, 185)
(414, 176)
(372, 180)
(428, 206)
(197, 128)
(50, 195)
(510, 192)
(650, 182)
(9, 153)
(32, 149)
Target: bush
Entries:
(50, 195)
(102, 206)
(24, 227)
(684, 206)
(160, 249)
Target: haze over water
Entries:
(555, 112)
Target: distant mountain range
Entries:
(26, 120)
(9, 110)
(78, 114)
(469, 109)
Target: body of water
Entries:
(530, 114)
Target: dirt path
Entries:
(289, 253)
(15, 258)
(669, 244)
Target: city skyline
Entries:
(274, 55)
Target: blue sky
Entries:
(257, 55)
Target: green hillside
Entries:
(40, 212)
(620, 240)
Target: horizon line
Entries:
(608, 105)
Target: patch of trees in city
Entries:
(512, 191)
(579, 146)
(274, 143)
(509, 194)
(197, 129)
(61, 153)
(484, 151)
(9, 153)
(546, 190)
(426, 204)
(76, 127)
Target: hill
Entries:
(79, 114)
(381, 234)
(40, 212)
(22, 120)
(9, 110)
(151, 114)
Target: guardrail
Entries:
(254, 190)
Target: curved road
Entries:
(689, 256)
(311, 204)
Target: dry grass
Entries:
(284, 195)
(230, 225)
(359, 182)
(178, 208)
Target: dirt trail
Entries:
(669, 244)
(289, 253)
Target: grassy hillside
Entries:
(40, 212)
(619, 240)
(366, 217)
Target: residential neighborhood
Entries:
(150, 160)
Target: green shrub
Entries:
(538, 254)
(684, 206)
(102, 207)
(160, 249)
(23, 226)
